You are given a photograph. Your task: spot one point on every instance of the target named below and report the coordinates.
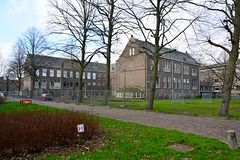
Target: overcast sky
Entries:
(16, 17)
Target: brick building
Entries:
(59, 74)
(177, 72)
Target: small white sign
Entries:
(80, 128)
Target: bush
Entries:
(2, 100)
(34, 131)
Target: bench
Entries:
(25, 100)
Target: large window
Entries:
(186, 70)
(44, 72)
(169, 82)
(51, 73)
(166, 66)
(158, 82)
(71, 74)
(179, 83)
(194, 71)
(164, 82)
(176, 68)
(184, 83)
(65, 74)
(188, 84)
(37, 72)
(131, 51)
(58, 73)
(175, 83)
(83, 75)
(94, 75)
(88, 75)
(194, 83)
(77, 74)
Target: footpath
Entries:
(205, 126)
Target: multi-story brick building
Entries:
(59, 74)
(211, 78)
(177, 71)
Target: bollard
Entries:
(232, 140)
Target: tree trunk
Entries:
(230, 69)
(80, 96)
(155, 59)
(32, 88)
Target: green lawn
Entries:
(134, 141)
(191, 107)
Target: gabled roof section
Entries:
(176, 55)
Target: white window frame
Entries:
(194, 71)
(94, 75)
(166, 66)
(44, 72)
(169, 82)
(186, 70)
(51, 73)
(37, 72)
(176, 68)
(164, 82)
(88, 75)
(77, 74)
(58, 73)
(65, 74)
(84, 75)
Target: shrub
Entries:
(34, 131)
(2, 100)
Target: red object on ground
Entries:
(25, 100)
(46, 97)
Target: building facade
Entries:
(177, 72)
(61, 74)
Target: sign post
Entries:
(80, 128)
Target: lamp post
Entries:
(124, 87)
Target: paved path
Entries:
(204, 126)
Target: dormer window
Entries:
(131, 51)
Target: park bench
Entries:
(26, 100)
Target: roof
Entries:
(176, 55)
(56, 62)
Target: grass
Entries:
(193, 107)
(128, 140)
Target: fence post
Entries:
(232, 140)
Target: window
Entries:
(169, 82)
(83, 75)
(179, 83)
(186, 70)
(58, 73)
(131, 51)
(99, 76)
(166, 66)
(89, 83)
(194, 83)
(104, 76)
(188, 84)
(77, 74)
(88, 75)
(158, 82)
(164, 82)
(184, 83)
(65, 74)
(37, 72)
(151, 64)
(99, 83)
(216, 80)
(71, 74)
(51, 73)
(44, 72)
(194, 71)
(175, 83)
(94, 75)
(44, 84)
(94, 83)
(176, 68)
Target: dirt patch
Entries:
(181, 147)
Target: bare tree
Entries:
(108, 27)
(3, 65)
(156, 20)
(34, 45)
(16, 64)
(73, 20)
(225, 17)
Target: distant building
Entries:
(8, 85)
(177, 71)
(61, 74)
(211, 78)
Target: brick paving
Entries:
(204, 126)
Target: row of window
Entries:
(177, 84)
(65, 74)
(176, 68)
(57, 85)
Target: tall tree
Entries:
(16, 64)
(224, 15)
(34, 45)
(73, 20)
(156, 19)
(3, 65)
(108, 27)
